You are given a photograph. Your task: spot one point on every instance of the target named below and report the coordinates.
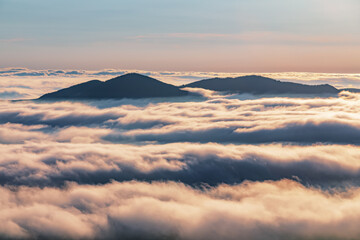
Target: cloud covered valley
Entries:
(214, 166)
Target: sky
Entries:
(178, 35)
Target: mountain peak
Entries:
(131, 75)
(131, 85)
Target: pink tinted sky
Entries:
(199, 35)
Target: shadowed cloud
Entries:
(81, 160)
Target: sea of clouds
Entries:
(23, 83)
(206, 166)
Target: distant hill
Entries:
(135, 85)
(354, 90)
(261, 85)
(130, 85)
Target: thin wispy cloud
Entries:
(254, 38)
(14, 40)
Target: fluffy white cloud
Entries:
(52, 163)
(138, 210)
(66, 168)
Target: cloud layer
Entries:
(315, 141)
(53, 164)
(207, 166)
(168, 210)
(221, 119)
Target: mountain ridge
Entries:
(255, 84)
(134, 85)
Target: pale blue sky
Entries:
(199, 35)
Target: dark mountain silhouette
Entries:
(261, 85)
(130, 85)
(134, 85)
(354, 90)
